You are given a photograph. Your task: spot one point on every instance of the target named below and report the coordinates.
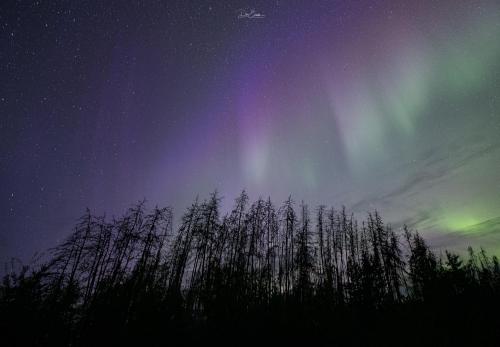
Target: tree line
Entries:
(259, 273)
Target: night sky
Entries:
(387, 105)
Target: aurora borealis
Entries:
(387, 105)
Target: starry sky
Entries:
(387, 105)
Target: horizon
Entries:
(375, 105)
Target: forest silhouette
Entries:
(259, 274)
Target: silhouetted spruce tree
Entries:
(136, 280)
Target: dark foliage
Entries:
(258, 275)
